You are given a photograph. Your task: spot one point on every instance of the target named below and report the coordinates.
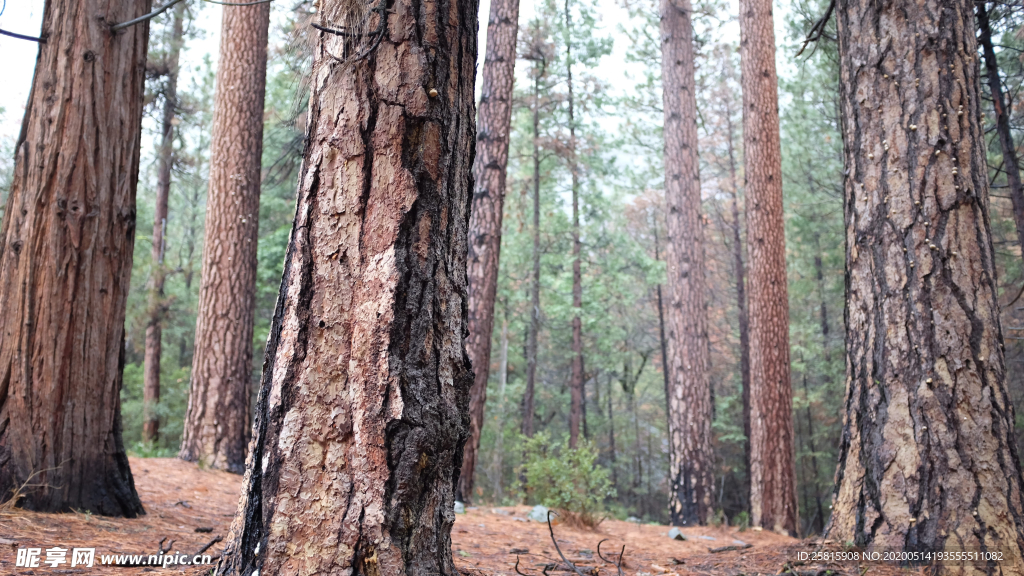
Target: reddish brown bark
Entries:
(363, 411)
(217, 422)
(494, 121)
(927, 457)
(691, 467)
(65, 261)
(772, 459)
(157, 306)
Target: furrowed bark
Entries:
(65, 262)
(217, 422)
(927, 456)
(494, 123)
(363, 410)
(157, 305)
(773, 502)
(691, 466)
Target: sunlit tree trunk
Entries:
(494, 124)
(217, 422)
(363, 410)
(157, 305)
(927, 456)
(66, 246)
(692, 462)
(773, 502)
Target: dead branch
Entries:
(819, 28)
(729, 548)
(618, 565)
(559, 550)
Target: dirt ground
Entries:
(193, 507)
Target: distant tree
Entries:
(217, 422)
(772, 466)
(927, 455)
(65, 262)
(363, 414)
(490, 169)
(689, 392)
(576, 377)
(168, 67)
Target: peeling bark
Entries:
(363, 414)
(65, 262)
(927, 456)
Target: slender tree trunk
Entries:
(217, 429)
(611, 435)
(743, 318)
(661, 336)
(157, 306)
(772, 460)
(576, 381)
(818, 522)
(66, 244)
(927, 458)
(692, 461)
(995, 86)
(494, 123)
(534, 328)
(363, 409)
(499, 439)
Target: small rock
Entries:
(634, 520)
(739, 542)
(460, 508)
(500, 512)
(539, 513)
(676, 534)
(705, 537)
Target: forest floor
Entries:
(193, 507)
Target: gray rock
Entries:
(676, 534)
(538, 514)
(460, 508)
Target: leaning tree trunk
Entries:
(65, 261)
(157, 305)
(494, 123)
(363, 410)
(216, 429)
(927, 455)
(772, 459)
(692, 462)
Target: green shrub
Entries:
(566, 479)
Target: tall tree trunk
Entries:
(611, 436)
(818, 522)
(576, 379)
(66, 246)
(692, 462)
(217, 429)
(995, 86)
(743, 318)
(499, 439)
(772, 459)
(494, 124)
(662, 340)
(927, 457)
(157, 305)
(534, 327)
(363, 410)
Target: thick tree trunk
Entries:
(494, 124)
(363, 411)
(927, 456)
(65, 261)
(692, 462)
(772, 459)
(576, 378)
(533, 329)
(157, 305)
(217, 422)
(995, 86)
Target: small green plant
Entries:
(741, 520)
(143, 449)
(566, 479)
(718, 518)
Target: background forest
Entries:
(619, 155)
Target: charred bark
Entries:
(927, 456)
(363, 410)
(66, 246)
(692, 462)
(217, 422)
(494, 124)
